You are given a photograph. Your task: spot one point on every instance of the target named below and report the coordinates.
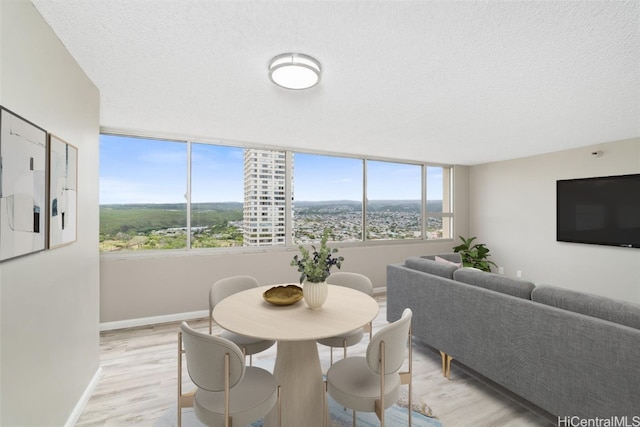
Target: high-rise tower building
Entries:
(264, 197)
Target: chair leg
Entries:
(410, 372)
(179, 379)
(244, 353)
(279, 407)
(345, 349)
(184, 400)
(369, 328)
(410, 405)
(325, 407)
(227, 395)
(382, 387)
(354, 417)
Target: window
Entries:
(439, 213)
(394, 201)
(142, 189)
(217, 195)
(327, 193)
(162, 194)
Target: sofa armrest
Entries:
(431, 267)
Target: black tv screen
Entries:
(600, 211)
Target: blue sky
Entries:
(135, 170)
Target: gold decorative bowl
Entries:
(283, 295)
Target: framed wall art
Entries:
(63, 192)
(23, 152)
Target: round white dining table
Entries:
(296, 328)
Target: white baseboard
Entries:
(82, 403)
(144, 321)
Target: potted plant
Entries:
(315, 267)
(474, 255)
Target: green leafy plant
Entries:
(474, 255)
(316, 266)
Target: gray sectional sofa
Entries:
(568, 353)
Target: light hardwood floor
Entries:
(139, 381)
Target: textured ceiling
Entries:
(462, 82)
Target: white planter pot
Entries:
(315, 294)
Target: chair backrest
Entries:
(356, 281)
(205, 356)
(395, 337)
(229, 286)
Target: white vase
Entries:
(315, 294)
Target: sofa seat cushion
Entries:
(431, 266)
(612, 310)
(495, 282)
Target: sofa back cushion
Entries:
(621, 312)
(495, 282)
(451, 257)
(430, 266)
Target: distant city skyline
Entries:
(137, 170)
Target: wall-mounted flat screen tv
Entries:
(600, 211)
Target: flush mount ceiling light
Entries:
(294, 71)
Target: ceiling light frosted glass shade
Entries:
(294, 71)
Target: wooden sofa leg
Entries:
(446, 364)
(448, 373)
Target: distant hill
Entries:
(146, 217)
(303, 203)
(376, 205)
(212, 206)
(403, 205)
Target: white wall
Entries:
(160, 284)
(49, 308)
(513, 211)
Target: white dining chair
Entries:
(372, 383)
(222, 289)
(358, 282)
(228, 393)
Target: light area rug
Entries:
(395, 416)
